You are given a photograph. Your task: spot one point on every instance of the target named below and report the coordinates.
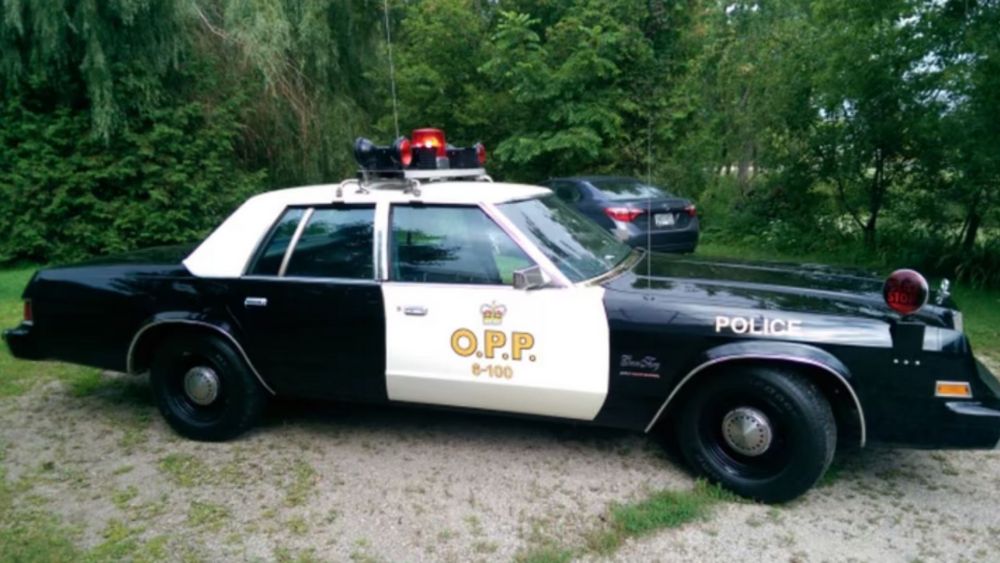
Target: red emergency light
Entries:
(430, 138)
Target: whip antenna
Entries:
(649, 241)
(392, 69)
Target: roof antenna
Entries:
(649, 202)
(392, 69)
(649, 241)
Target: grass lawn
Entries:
(980, 307)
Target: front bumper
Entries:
(22, 342)
(930, 422)
(974, 424)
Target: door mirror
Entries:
(529, 278)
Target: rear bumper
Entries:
(22, 342)
(672, 241)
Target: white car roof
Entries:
(226, 252)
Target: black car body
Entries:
(637, 213)
(762, 369)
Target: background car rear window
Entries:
(336, 243)
(626, 188)
(269, 260)
(452, 245)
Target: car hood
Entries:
(737, 284)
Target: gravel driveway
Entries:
(334, 482)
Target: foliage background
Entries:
(813, 127)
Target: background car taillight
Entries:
(29, 316)
(623, 214)
(691, 210)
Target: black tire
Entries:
(239, 401)
(803, 432)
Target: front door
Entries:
(310, 309)
(459, 334)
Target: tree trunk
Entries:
(975, 219)
(876, 198)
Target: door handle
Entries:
(415, 311)
(255, 302)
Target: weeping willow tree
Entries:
(135, 122)
(303, 66)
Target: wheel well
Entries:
(845, 410)
(141, 352)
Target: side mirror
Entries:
(529, 278)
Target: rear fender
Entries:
(792, 354)
(141, 348)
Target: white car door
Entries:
(459, 334)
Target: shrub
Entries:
(66, 194)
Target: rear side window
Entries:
(336, 243)
(268, 262)
(627, 188)
(566, 191)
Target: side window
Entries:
(452, 245)
(269, 259)
(336, 243)
(566, 191)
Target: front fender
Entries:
(781, 352)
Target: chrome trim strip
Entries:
(521, 241)
(813, 363)
(299, 229)
(129, 368)
(304, 279)
(381, 233)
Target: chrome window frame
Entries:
(307, 214)
(557, 279)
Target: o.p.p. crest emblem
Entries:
(493, 313)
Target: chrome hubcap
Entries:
(201, 385)
(747, 430)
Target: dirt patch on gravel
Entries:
(337, 482)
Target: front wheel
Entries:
(204, 389)
(763, 433)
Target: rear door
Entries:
(459, 334)
(310, 309)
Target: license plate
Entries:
(663, 219)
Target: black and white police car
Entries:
(425, 282)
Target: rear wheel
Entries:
(204, 389)
(764, 433)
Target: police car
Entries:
(424, 282)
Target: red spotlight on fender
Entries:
(905, 291)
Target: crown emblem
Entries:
(493, 313)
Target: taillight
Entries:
(691, 210)
(623, 214)
(29, 316)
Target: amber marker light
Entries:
(953, 389)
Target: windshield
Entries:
(626, 188)
(576, 245)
